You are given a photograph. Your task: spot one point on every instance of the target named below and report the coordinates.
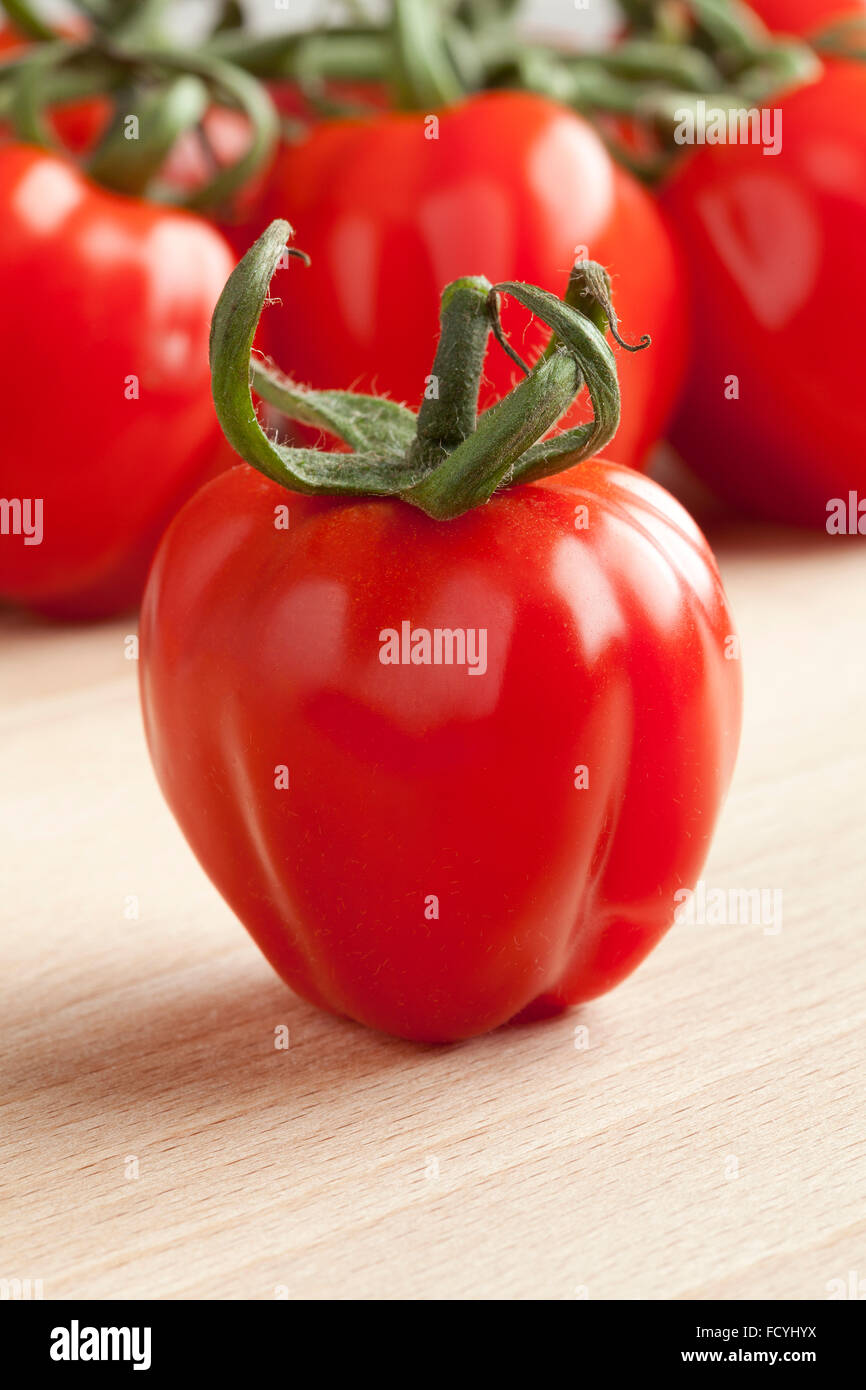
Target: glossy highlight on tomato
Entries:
(430, 850)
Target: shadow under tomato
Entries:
(173, 1048)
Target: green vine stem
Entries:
(429, 52)
(446, 459)
(135, 20)
(242, 91)
(426, 78)
(31, 80)
(731, 28)
(331, 55)
(139, 19)
(229, 16)
(67, 76)
(422, 55)
(845, 39)
(167, 89)
(130, 166)
(753, 62)
(26, 21)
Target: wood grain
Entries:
(521, 1165)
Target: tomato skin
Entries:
(606, 648)
(774, 246)
(804, 16)
(97, 288)
(511, 187)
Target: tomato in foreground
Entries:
(449, 763)
(431, 863)
(108, 422)
(771, 414)
(392, 207)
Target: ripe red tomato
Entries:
(512, 185)
(804, 16)
(107, 414)
(772, 410)
(413, 845)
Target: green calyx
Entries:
(447, 458)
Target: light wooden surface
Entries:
(707, 1142)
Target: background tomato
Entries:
(510, 187)
(774, 245)
(804, 16)
(102, 295)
